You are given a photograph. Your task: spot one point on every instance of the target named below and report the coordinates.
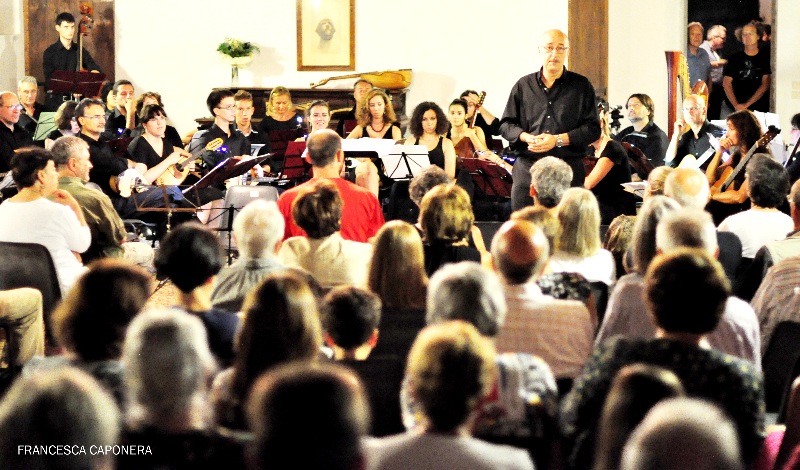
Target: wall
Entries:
(786, 75)
(12, 44)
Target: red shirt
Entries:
(361, 214)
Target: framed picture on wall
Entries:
(326, 35)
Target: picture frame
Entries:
(326, 35)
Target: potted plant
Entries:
(239, 54)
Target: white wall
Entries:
(786, 75)
(12, 44)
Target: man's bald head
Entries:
(689, 187)
(519, 251)
(555, 36)
(322, 146)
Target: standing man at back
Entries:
(63, 55)
(549, 112)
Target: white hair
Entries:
(258, 228)
(687, 228)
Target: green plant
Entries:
(237, 48)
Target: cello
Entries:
(86, 23)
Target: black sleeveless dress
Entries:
(436, 155)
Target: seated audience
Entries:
(618, 240)
(22, 310)
(682, 433)
(65, 407)
(322, 405)
(258, 230)
(446, 220)
(350, 319)
(550, 178)
(558, 331)
(191, 256)
(109, 238)
(167, 368)
(361, 214)
(428, 127)
(578, 248)
(66, 123)
(776, 299)
(450, 371)
(644, 134)
(30, 217)
(397, 276)
(331, 259)
(655, 181)
(90, 323)
(281, 324)
(685, 292)
(634, 391)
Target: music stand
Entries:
(405, 161)
(294, 167)
(167, 193)
(65, 82)
(490, 178)
(46, 125)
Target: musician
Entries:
(549, 112)
(644, 133)
(63, 55)
(610, 171)
(122, 119)
(223, 107)
(428, 126)
(283, 122)
(748, 74)
(460, 130)
(693, 135)
(149, 98)
(715, 40)
(244, 123)
(376, 110)
(27, 89)
(66, 124)
(485, 120)
(12, 135)
(793, 159)
(360, 89)
(697, 59)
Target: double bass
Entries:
(86, 23)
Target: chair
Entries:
(779, 361)
(488, 230)
(30, 265)
(236, 197)
(791, 437)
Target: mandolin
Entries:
(729, 175)
(177, 173)
(388, 79)
(465, 148)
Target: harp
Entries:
(678, 86)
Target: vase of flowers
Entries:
(239, 54)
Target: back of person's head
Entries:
(66, 147)
(258, 228)
(425, 180)
(281, 324)
(634, 391)
(466, 291)
(26, 164)
(550, 178)
(65, 114)
(681, 433)
(688, 228)
(62, 407)
(579, 216)
(543, 218)
(450, 368)
(445, 214)
(398, 254)
(322, 405)
(322, 146)
(318, 208)
(92, 320)
(769, 181)
(189, 255)
(686, 291)
(519, 251)
(794, 195)
(215, 98)
(351, 316)
(688, 187)
(167, 366)
(644, 230)
(619, 235)
(656, 181)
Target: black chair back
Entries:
(30, 265)
(779, 361)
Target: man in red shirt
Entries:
(361, 215)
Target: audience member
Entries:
(331, 259)
(361, 214)
(57, 408)
(619, 239)
(747, 75)
(281, 324)
(22, 310)
(446, 220)
(167, 368)
(579, 248)
(697, 59)
(258, 230)
(634, 391)
(322, 405)
(681, 433)
(191, 256)
(655, 181)
(685, 292)
(12, 134)
(715, 40)
(558, 331)
(644, 134)
(450, 371)
(29, 217)
(90, 323)
(550, 178)
(777, 298)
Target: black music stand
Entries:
(169, 194)
(489, 177)
(295, 168)
(405, 161)
(226, 169)
(65, 82)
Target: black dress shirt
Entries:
(104, 164)
(29, 122)
(688, 145)
(116, 125)
(57, 57)
(10, 141)
(651, 140)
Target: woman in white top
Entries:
(57, 223)
(578, 248)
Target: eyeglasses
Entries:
(228, 108)
(550, 49)
(694, 108)
(96, 118)
(14, 106)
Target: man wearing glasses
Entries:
(715, 40)
(222, 105)
(12, 135)
(549, 112)
(693, 135)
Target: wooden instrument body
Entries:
(388, 79)
(465, 148)
(678, 86)
(729, 174)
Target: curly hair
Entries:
(364, 117)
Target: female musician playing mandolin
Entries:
(152, 148)
(428, 126)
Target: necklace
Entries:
(377, 131)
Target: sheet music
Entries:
(368, 144)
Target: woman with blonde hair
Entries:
(446, 220)
(578, 248)
(283, 122)
(397, 276)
